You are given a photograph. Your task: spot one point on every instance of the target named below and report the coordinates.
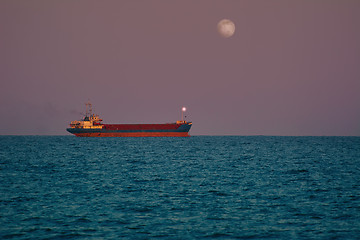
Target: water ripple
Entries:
(175, 188)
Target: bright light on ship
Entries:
(184, 109)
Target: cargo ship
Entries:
(91, 126)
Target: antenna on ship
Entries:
(88, 109)
(183, 109)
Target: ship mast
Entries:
(88, 109)
(183, 109)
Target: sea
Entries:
(202, 187)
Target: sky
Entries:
(291, 68)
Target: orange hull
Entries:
(134, 134)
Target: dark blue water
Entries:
(63, 187)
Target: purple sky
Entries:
(291, 68)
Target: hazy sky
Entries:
(291, 68)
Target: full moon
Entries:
(226, 28)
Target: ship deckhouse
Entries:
(90, 120)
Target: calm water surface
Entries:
(203, 187)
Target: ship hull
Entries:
(134, 130)
(134, 134)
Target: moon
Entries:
(226, 28)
